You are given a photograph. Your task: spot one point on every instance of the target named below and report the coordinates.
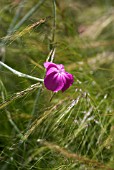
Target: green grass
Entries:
(73, 130)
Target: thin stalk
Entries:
(50, 56)
(19, 95)
(52, 42)
(54, 21)
(19, 24)
(10, 118)
(35, 105)
(36, 100)
(13, 28)
(18, 12)
(28, 15)
(13, 123)
(9, 31)
(19, 74)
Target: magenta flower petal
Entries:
(47, 65)
(53, 82)
(70, 76)
(69, 81)
(51, 70)
(57, 78)
(60, 66)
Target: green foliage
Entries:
(73, 130)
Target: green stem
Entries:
(28, 15)
(52, 42)
(54, 21)
(2, 44)
(50, 56)
(18, 12)
(11, 30)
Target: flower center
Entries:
(61, 71)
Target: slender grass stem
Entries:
(52, 42)
(19, 95)
(19, 74)
(10, 29)
(13, 123)
(54, 20)
(16, 17)
(32, 10)
(50, 56)
(36, 100)
(9, 115)
(13, 28)
(35, 105)
(74, 156)
(20, 23)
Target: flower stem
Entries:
(19, 74)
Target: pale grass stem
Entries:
(19, 94)
(19, 74)
(75, 157)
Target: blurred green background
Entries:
(79, 121)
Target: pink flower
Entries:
(57, 78)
